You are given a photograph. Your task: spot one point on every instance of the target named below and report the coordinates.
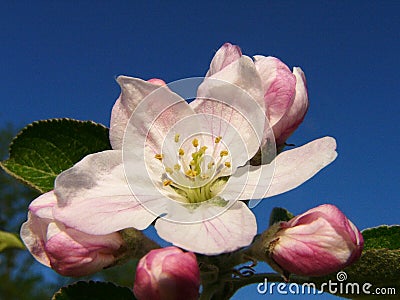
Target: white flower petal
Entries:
(229, 231)
(292, 168)
(225, 55)
(234, 95)
(133, 90)
(94, 197)
(33, 233)
(150, 134)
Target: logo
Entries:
(340, 287)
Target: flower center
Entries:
(197, 173)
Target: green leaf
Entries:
(382, 237)
(44, 149)
(279, 214)
(10, 240)
(93, 290)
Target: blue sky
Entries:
(60, 59)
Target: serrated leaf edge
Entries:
(22, 131)
(9, 172)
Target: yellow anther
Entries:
(210, 165)
(224, 153)
(177, 167)
(192, 163)
(218, 139)
(195, 142)
(158, 156)
(191, 173)
(227, 164)
(176, 139)
(169, 170)
(203, 149)
(181, 152)
(167, 182)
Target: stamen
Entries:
(181, 152)
(210, 165)
(227, 164)
(167, 182)
(169, 170)
(203, 149)
(177, 167)
(195, 142)
(176, 139)
(224, 153)
(218, 139)
(158, 156)
(191, 173)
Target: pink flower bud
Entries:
(68, 251)
(318, 242)
(285, 96)
(167, 273)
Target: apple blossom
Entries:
(167, 273)
(285, 92)
(183, 165)
(68, 251)
(318, 242)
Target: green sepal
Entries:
(279, 214)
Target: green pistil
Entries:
(198, 159)
(196, 195)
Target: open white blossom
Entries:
(185, 166)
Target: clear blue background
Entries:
(60, 59)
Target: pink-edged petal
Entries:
(33, 234)
(341, 224)
(42, 206)
(225, 55)
(74, 253)
(327, 211)
(94, 197)
(300, 244)
(231, 230)
(292, 168)
(279, 86)
(232, 100)
(133, 90)
(181, 272)
(295, 115)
